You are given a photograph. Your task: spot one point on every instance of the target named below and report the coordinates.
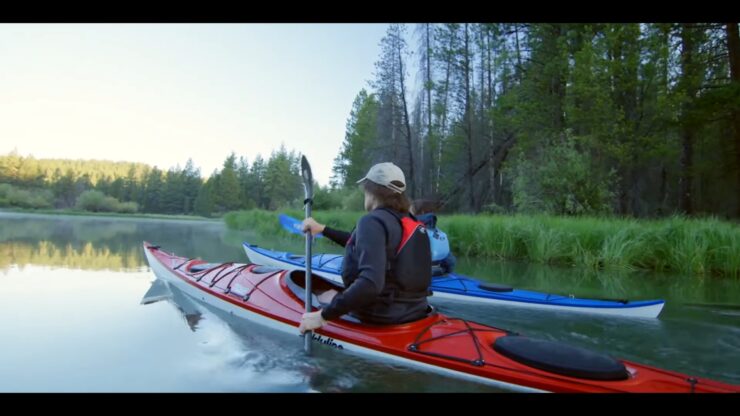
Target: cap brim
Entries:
(362, 180)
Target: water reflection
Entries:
(267, 351)
(93, 243)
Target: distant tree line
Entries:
(129, 187)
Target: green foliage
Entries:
(204, 204)
(360, 138)
(353, 200)
(29, 171)
(97, 201)
(266, 184)
(11, 196)
(227, 194)
(562, 180)
(283, 183)
(325, 198)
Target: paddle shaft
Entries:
(308, 187)
(307, 338)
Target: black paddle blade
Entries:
(307, 177)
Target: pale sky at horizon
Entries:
(163, 93)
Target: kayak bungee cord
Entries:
(224, 266)
(228, 285)
(235, 269)
(182, 264)
(479, 362)
(248, 294)
(321, 257)
(204, 272)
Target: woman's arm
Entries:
(337, 236)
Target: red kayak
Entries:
(437, 343)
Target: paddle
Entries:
(308, 188)
(293, 225)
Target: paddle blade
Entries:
(307, 177)
(293, 225)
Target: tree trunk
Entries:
(687, 128)
(663, 191)
(558, 82)
(469, 120)
(429, 84)
(444, 116)
(407, 123)
(500, 154)
(733, 46)
(518, 53)
(489, 117)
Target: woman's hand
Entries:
(310, 224)
(311, 321)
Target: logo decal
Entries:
(326, 341)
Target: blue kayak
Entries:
(457, 287)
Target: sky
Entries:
(163, 93)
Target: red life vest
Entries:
(409, 264)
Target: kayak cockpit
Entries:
(295, 280)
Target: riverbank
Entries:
(696, 246)
(106, 214)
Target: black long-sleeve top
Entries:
(364, 264)
(338, 236)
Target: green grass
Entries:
(696, 246)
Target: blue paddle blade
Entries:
(293, 225)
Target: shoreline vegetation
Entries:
(82, 213)
(695, 246)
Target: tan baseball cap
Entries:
(386, 174)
